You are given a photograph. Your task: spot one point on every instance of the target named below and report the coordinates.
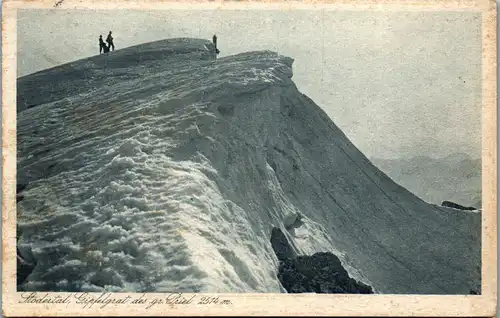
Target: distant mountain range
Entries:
(456, 177)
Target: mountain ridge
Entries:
(133, 186)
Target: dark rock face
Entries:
(280, 245)
(450, 204)
(319, 273)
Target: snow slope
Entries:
(159, 168)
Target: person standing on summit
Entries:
(109, 40)
(103, 48)
(214, 40)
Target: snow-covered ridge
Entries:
(85, 75)
(168, 170)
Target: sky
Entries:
(398, 84)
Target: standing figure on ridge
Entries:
(214, 40)
(109, 39)
(103, 48)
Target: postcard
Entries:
(257, 158)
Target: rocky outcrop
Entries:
(318, 273)
(453, 205)
(280, 245)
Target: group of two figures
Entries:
(105, 48)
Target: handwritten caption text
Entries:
(87, 300)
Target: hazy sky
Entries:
(399, 84)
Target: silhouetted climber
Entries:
(109, 39)
(214, 40)
(103, 48)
